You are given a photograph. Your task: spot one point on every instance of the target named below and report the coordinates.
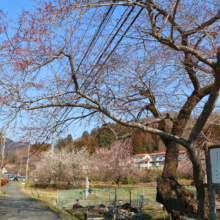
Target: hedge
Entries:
(4, 182)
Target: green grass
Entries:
(66, 197)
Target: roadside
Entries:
(48, 198)
(18, 206)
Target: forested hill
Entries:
(102, 137)
(12, 146)
(143, 142)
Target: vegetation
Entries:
(121, 61)
(4, 181)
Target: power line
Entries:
(135, 18)
(101, 27)
(114, 34)
(113, 37)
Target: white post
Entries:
(87, 186)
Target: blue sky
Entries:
(14, 7)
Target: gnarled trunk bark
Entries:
(176, 199)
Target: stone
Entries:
(138, 215)
(131, 213)
(125, 206)
(135, 210)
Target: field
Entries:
(98, 196)
(48, 196)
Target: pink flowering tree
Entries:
(115, 163)
(185, 167)
(67, 166)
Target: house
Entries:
(154, 160)
(142, 159)
(4, 170)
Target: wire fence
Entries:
(106, 196)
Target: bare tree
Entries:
(141, 58)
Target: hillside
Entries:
(11, 146)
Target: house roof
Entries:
(145, 160)
(161, 153)
(138, 155)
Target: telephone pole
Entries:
(29, 146)
(20, 164)
(3, 141)
(53, 142)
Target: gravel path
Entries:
(18, 206)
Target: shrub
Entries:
(4, 182)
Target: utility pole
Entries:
(29, 146)
(20, 164)
(2, 155)
(53, 142)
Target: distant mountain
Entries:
(11, 146)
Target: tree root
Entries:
(177, 200)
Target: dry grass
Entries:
(48, 195)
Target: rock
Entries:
(131, 214)
(125, 206)
(135, 210)
(109, 214)
(77, 206)
(122, 211)
(103, 210)
(102, 206)
(138, 215)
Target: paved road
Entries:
(18, 206)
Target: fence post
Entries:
(57, 196)
(109, 197)
(83, 199)
(100, 194)
(138, 196)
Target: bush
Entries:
(4, 182)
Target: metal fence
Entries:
(106, 196)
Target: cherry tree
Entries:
(66, 166)
(115, 163)
(120, 61)
(185, 167)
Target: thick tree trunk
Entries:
(198, 176)
(176, 199)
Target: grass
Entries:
(48, 197)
